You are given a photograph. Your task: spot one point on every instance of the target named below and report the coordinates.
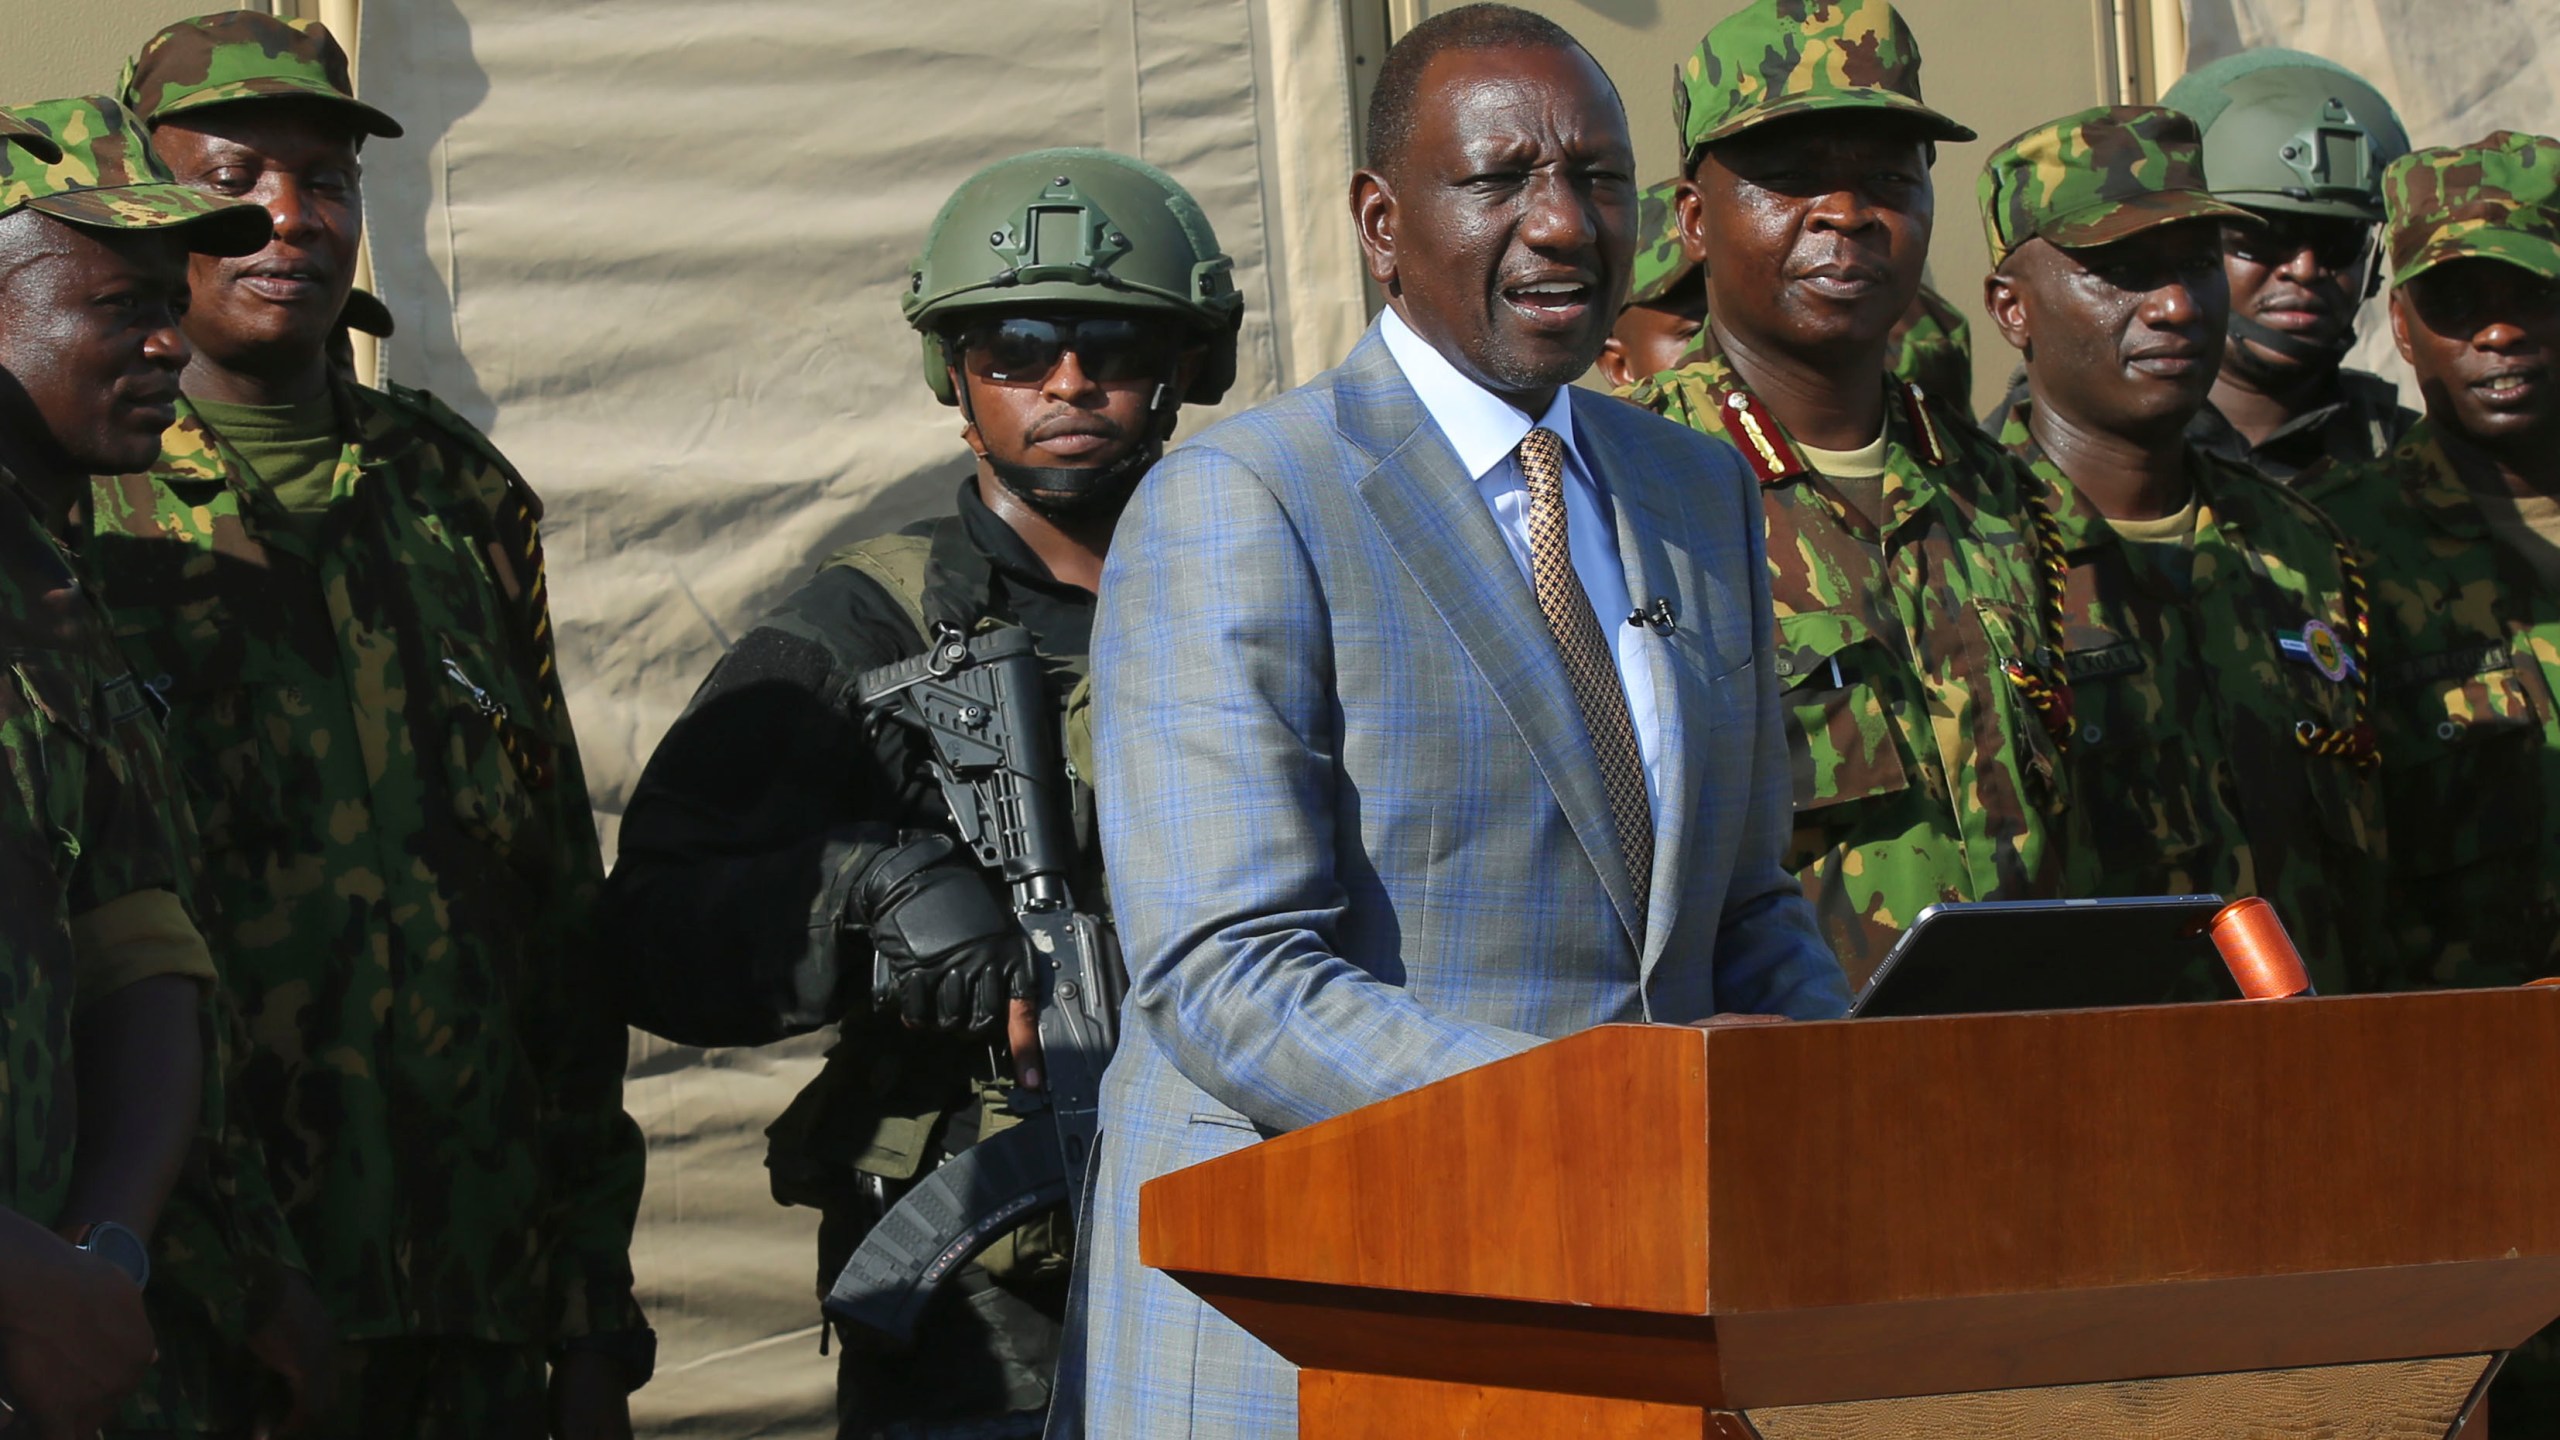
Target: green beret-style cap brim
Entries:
(1925, 123)
(209, 224)
(2108, 221)
(2531, 253)
(30, 139)
(362, 117)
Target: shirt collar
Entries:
(1481, 426)
(1003, 546)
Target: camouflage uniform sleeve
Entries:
(136, 937)
(592, 1151)
(1678, 397)
(741, 841)
(257, 1216)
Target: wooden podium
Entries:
(2277, 1220)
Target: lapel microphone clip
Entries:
(1663, 619)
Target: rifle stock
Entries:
(979, 702)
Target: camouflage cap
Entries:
(1660, 263)
(2495, 199)
(241, 55)
(108, 177)
(2095, 177)
(1773, 59)
(28, 138)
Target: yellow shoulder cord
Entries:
(2356, 744)
(2043, 680)
(530, 752)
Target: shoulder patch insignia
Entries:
(1764, 444)
(2317, 646)
(427, 407)
(1925, 440)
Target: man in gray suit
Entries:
(1436, 710)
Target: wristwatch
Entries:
(120, 1247)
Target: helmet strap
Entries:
(1059, 490)
(2290, 346)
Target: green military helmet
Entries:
(2290, 132)
(1075, 227)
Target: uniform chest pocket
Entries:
(2133, 774)
(1842, 745)
(495, 758)
(2462, 755)
(2017, 714)
(58, 729)
(230, 767)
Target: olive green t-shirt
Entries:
(1856, 475)
(2529, 525)
(292, 451)
(2165, 545)
(2178, 527)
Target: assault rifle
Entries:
(979, 704)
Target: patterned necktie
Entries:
(1588, 661)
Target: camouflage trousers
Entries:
(202, 1384)
(439, 1389)
(425, 1389)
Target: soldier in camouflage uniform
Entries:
(1917, 648)
(2460, 529)
(338, 593)
(103, 971)
(784, 866)
(1933, 349)
(2213, 621)
(1666, 311)
(2456, 524)
(2300, 144)
(1666, 303)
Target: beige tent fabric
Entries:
(727, 1274)
(2455, 70)
(656, 249)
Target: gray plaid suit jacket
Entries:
(1355, 827)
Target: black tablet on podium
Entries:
(1963, 959)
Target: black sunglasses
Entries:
(1025, 349)
(2338, 245)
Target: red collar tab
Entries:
(1757, 435)
(1924, 431)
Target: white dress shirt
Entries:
(1486, 431)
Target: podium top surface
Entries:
(1791, 1167)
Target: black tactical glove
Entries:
(947, 955)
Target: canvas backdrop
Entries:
(656, 247)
